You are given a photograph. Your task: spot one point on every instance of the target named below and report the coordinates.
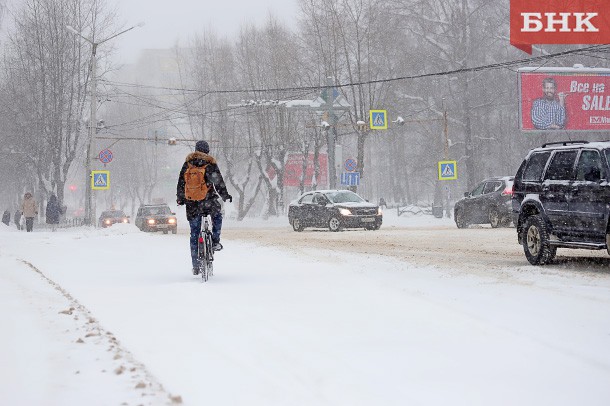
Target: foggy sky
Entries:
(168, 21)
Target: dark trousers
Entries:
(196, 228)
(29, 224)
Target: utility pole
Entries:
(89, 202)
(331, 133)
(445, 130)
(448, 197)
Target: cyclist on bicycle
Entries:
(197, 209)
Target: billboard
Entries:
(293, 170)
(574, 99)
(559, 22)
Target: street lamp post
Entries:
(89, 207)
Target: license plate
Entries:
(367, 220)
(161, 225)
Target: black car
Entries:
(110, 217)
(156, 217)
(488, 203)
(561, 198)
(335, 209)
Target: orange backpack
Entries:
(195, 187)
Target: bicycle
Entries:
(205, 252)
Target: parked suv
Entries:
(488, 203)
(561, 198)
(156, 217)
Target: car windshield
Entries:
(607, 153)
(114, 213)
(344, 196)
(155, 211)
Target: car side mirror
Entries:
(466, 194)
(322, 203)
(173, 214)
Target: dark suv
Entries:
(561, 198)
(488, 203)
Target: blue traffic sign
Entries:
(378, 119)
(100, 180)
(447, 170)
(105, 156)
(350, 178)
(350, 165)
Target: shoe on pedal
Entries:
(217, 246)
(195, 271)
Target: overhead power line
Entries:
(499, 65)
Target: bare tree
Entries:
(46, 76)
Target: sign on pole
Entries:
(350, 178)
(447, 170)
(105, 156)
(100, 180)
(350, 165)
(378, 119)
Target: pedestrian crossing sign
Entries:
(100, 180)
(378, 119)
(447, 170)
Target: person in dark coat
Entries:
(17, 218)
(6, 217)
(53, 212)
(197, 209)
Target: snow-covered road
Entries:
(278, 326)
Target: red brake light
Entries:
(507, 192)
(200, 240)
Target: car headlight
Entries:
(379, 211)
(151, 221)
(345, 212)
(171, 221)
(125, 221)
(107, 221)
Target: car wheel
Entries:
(174, 230)
(460, 219)
(334, 224)
(494, 218)
(165, 231)
(608, 243)
(536, 245)
(296, 225)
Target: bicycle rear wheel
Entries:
(204, 272)
(201, 256)
(209, 259)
